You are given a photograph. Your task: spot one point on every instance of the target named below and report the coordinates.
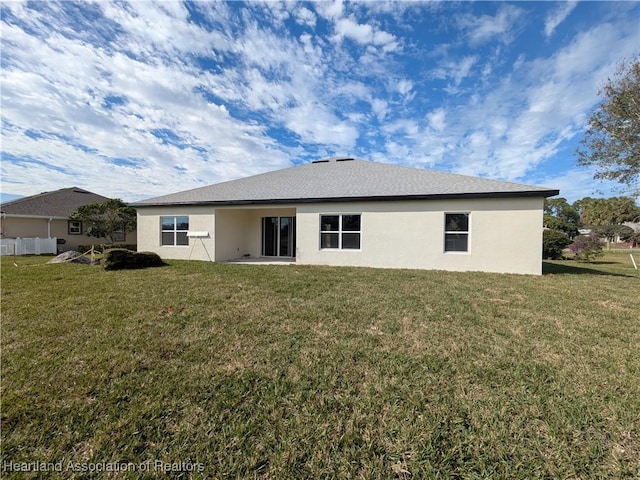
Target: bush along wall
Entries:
(121, 258)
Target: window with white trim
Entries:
(119, 235)
(340, 232)
(456, 232)
(74, 227)
(173, 231)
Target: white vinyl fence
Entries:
(28, 246)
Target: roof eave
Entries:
(21, 215)
(282, 201)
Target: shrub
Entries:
(121, 258)
(553, 242)
(586, 248)
(103, 247)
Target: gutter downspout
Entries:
(49, 227)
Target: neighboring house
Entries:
(632, 225)
(343, 211)
(635, 226)
(46, 215)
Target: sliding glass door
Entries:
(278, 237)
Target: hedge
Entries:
(121, 258)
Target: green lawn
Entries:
(296, 372)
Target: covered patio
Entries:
(255, 235)
(263, 261)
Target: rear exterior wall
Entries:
(505, 235)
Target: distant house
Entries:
(635, 226)
(342, 211)
(46, 215)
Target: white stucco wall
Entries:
(239, 229)
(200, 219)
(233, 231)
(505, 235)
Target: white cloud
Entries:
(164, 103)
(509, 129)
(284, 78)
(152, 27)
(461, 71)
(380, 108)
(577, 183)
(404, 86)
(557, 16)
(486, 27)
(73, 79)
(347, 28)
(437, 119)
(542, 108)
(363, 34)
(455, 70)
(383, 38)
(330, 10)
(316, 124)
(63, 90)
(304, 16)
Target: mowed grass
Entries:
(295, 372)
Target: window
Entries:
(74, 227)
(118, 235)
(174, 231)
(340, 232)
(456, 232)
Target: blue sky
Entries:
(134, 100)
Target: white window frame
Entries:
(175, 231)
(340, 232)
(466, 232)
(74, 227)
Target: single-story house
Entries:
(46, 215)
(343, 211)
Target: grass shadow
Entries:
(580, 269)
(604, 262)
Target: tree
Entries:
(560, 215)
(600, 212)
(553, 242)
(612, 140)
(106, 219)
(606, 215)
(586, 248)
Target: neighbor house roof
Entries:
(57, 204)
(346, 179)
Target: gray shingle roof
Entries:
(59, 203)
(339, 179)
